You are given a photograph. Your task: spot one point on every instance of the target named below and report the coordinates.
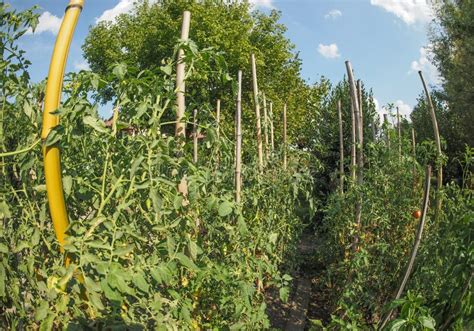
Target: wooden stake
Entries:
(195, 137)
(439, 167)
(218, 127)
(265, 126)
(285, 161)
(180, 74)
(341, 148)
(361, 120)
(355, 103)
(353, 146)
(360, 162)
(238, 137)
(218, 118)
(272, 138)
(257, 114)
(416, 244)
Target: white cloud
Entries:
(262, 4)
(47, 23)
(124, 6)
(335, 13)
(425, 65)
(405, 109)
(81, 65)
(410, 11)
(329, 51)
(378, 109)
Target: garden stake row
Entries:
(238, 138)
(180, 78)
(439, 161)
(416, 244)
(341, 148)
(257, 113)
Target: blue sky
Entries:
(385, 40)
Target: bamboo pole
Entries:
(257, 114)
(353, 146)
(218, 118)
(272, 138)
(265, 127)
(341, 148)
(285, 142)
(360, 162)
(238, 143)
(195, 137)
(180, 75)
(218, 129)
(355, 104)
(361, 119)
(416, 245)
(439, 166)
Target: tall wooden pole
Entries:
(180, 74)
(341, 148)
(195, 137)
(272, 137)
(438, 146)
(416, 244)
(353, 146)
(360, 162)
(238, 137)
(265, 126)
(218, 128)
(218, 118)
(285, 142)
(257, 114)
(361, 120)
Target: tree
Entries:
(452, 38)
(147, 37)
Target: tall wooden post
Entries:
(438, 146)
(218, 118)
(360, 163)
(257, 114)
(285, 143)
(272, 137)
(180, 74)
(195, 137)
(238, 137)
(265, 126)
(361, 120)
(341, 148)
(353, 146)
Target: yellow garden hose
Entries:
(52, 162)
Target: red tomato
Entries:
(416, 214)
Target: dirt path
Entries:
(305, 299)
